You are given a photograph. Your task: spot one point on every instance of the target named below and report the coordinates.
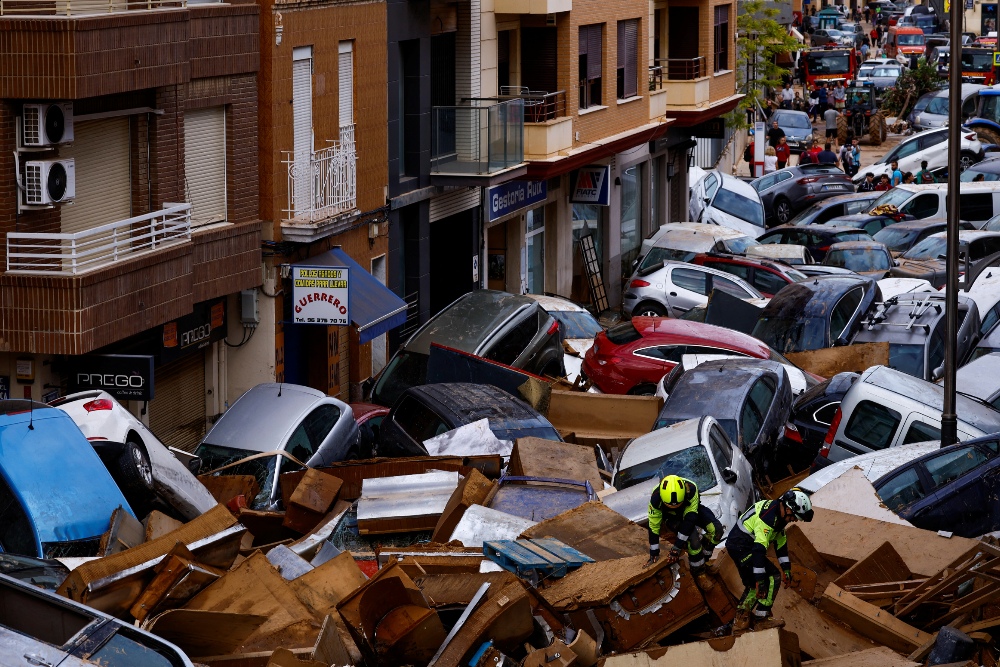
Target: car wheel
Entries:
(967, 159)
(134, 473)
(649, 309)
(783, 210)
(643, 390)
(987, 135)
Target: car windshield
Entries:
(574, 324)
(262, 469)
(623, 333)
(807, 214)
(886, 71)
(895, 239)
(894, 197)
(977, 61)
(796, 276)
(739, 244)
(789, 334)
(858, 259)
(793, 120)
(691, 463)
(992, 225)
(932, 247)
(924, 101)
(910, 40)
(739, 206)
(405, 370)
(971, 174)
(907, 358)
(834, 33)
(828, 63)
(656, 256)
(938, 106)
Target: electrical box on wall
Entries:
(249, 313)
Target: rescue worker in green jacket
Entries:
(755, 531)
(676, 506)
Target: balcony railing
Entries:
(682, 69)
(539, 106)
(655, 78)
(72, 254)
(323, 183)
(481, 137)
(87, 7)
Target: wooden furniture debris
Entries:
(312, 498)
(874, 623)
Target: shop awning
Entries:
(374, 308)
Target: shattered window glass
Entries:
(262, 469)
(691, 463)
(901, 490)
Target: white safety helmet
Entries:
(798, 502)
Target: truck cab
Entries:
(905, 41)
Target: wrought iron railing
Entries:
(79, 252)
(323, 183)
(655, 78)
(682, 69)
(481, 136)
(539, 106)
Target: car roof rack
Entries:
(919, 308)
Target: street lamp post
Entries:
(949, 417)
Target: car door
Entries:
(870, 427)
(411, 422)
(730, 287)
(753, 415)
(843, 316)
(702, 190)
(509, 347)
(932, 147)
(767, 282)
(650, 364)
(960, 502)
(687, 288)
(320, 426)
(736, 493)
(765, 190)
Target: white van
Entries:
(978, 202)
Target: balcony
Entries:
(686, 81)
(547, 129)
(533, 6)
(322, 189)
(657, 93)
(35, 8)
(479, 143)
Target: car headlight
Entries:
(809, 139)
(917, 120)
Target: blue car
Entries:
(56, 497)
(954, 488)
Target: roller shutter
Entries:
(177, 411)
(538, 59)
(103, 180)
(302, 126)
(453, 202)
(345, 76)
(205, 163)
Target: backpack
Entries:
(748, 153)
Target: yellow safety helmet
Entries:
(672, 491)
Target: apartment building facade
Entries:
(129, 221)
(323, 159)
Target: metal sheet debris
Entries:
(405, 503)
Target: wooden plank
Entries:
(158, 524)
(882, 565)
(873, 657)
(537, 457)
(177, 580)
(871, 621)
(594, 529)
(204, 632)
(767, 648)
(567, 553)
(226, 487)
(603, 415)
(322, 588)
(829, 361)
(312, 498)
(124, 532)
(472, 490)
(985, 624)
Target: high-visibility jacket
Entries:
(686, 514)
(756, 530)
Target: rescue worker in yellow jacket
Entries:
(756, 530)
(676, 506)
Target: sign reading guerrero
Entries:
(320, 295)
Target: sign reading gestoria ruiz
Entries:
(319, 294)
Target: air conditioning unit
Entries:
(47, 124)
(49, 182)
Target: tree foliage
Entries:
(910, 85)
(760, 42)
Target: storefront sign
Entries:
(4, 387)
(125, 376)
(319, 295)
(513, 196)
(205, 325)
(592, 186)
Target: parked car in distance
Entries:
(904, 235)
(950, 489)
(810, 418)
(57, 496)
(676, 287)
(138, 461)
(818, 238)
(831, 36)
(866, 222)
(786, 253)
(724, 200)
(432, 409)
(927, 259)
(787, 191)
(291, 419)
(750, 398)
(922, 101)
(797, 127)
(980, 379)
(931, 146)
(577, 328)
(988, 170)
(697, 449)
(935, 114)
(867, 258)
(985, 291)
(914, 327)
(817, 313)
(632, 357)
(834, 207)
(683, 240)
(978, 202)
(765, 276)
(798, 379)
(39, 627)
(508, 328)
(888, 408)
(896, 286)
(884, 76)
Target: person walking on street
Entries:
(770, 160)
(864, 52)
(782, 151)
(924, 175)
(846, 156)
(774, 134)
(824, 97)
(827, 156)
(787, 95)
(748, 153)
(897, 175)
(814, 104)
(675, 506)
(874, 36)
(855, 157)
(760, 527)
(839, 96)
(830, 116)
(867, 185)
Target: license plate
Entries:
(834, 187)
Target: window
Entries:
(590, 65)
(693, 281)
(306, 439)
(856, 206)
(735, 269)
(978, 206)
(302, 128)
(730, 288)
(534, 244)
(514, 342)
(628, 59)
(722, 38)
(755, 410)
(765, 182)
(711, 185)
(345, 82)
(981, 248)
(631, 217)
(722, 450)
(949, 466)
(767, 282)
(840, 320)
(417, 421)
(826, 414)
(127, 649)
(905, 150)
(901, 490)
(671, 353)
(872, 425)
(921, 432)
(989, 319)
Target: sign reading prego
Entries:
(320, 295)
(125, 376)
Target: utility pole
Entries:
(949, 417)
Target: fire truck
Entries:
(977, 66)
(829, 65)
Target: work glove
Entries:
(786, 578)
(673, 555)
(762, 588)
(654, 555)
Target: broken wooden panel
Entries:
(256, 587)
(880, 566)
(309, 545)
(267, 527)
(113, 583)
(872, 622)
(801, 551)
(458, 590)
(829, 361)
(226, 487)
(334, 645)
(418, 560)
(157, 524)
(405, 503)
(282, 657)
(595, 530)
(324, 587)
(873, 657)
(200, 633)
(537, 457)
(177, 580)
(602, 417)
(598, 584)
(312, 498)
(124, 533)
(854, 494)
(766, 648)
(472, 490)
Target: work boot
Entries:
(742, 621)
(768, 623)
(703, 581)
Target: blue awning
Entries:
(374, 307)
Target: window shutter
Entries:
(205, 163)
(584, 43)
(302, 130)
(621, 45)
(595, 60)
(631, 30)
(539, 47)
(346, 88)
(103, 175)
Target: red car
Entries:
(369, 418)
(768, 277)
(631, 357)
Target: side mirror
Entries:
(194, 465)
(708, 200)
(937, 374)
(729, 476)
